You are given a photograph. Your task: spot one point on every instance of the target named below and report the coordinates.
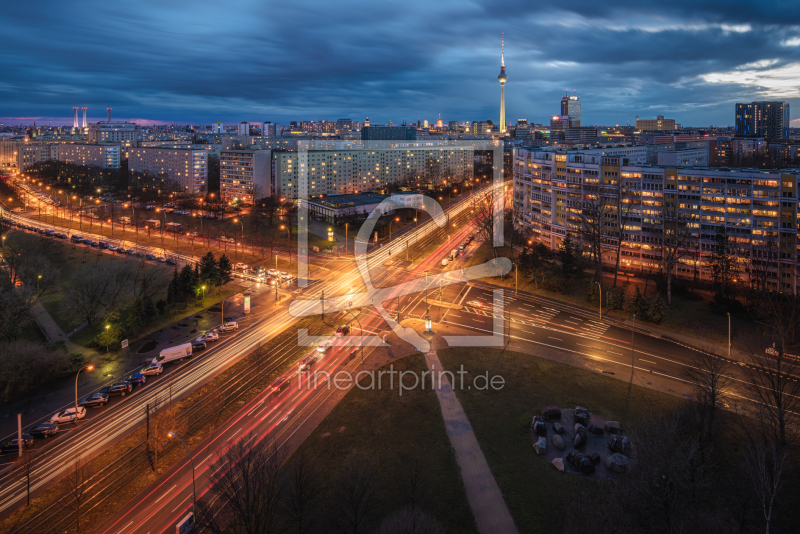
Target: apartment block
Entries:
(29, 154)
(186, 167)
(758, 208)
(103, 156)
(351, 170)
(660, 124)
(123, 133)
(244, 174)
(8, 152)
(684, 157)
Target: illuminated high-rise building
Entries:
(571, 107)
(502, 79)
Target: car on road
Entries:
(120, 388)
(68, 415)
(273, 272)
(162, 260)
(286, 276)
(171, 261)
(307, 362)
(324, 346)
(152, 369)
(210, 336)
(343, 331)
(44, 430)
(198, 345)
(280, 384)
(475, 303)
(95, 244)
(12, 444)
(229, 326)
(95, 399)
(240, 267)
(182, 324)
(136, 379)
(150, 256)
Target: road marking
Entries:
(167, 493)
(571, 322)
(612, 352)
(587, 346)
(179, 505)
(129, 524)
(646, 361)
(555, 338)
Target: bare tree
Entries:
(355, 496)
(245, 492)
(675, 239)
(767, 467)
(78, 487)
(592, 209)
(302, 494)
(483, 218)
(711, 385)
(28, 464)
(164, 417)
(417, 483)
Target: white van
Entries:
(444, 262)
(172, 354)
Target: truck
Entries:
(171, 354)
(453, 253)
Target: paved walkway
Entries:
(485, 499)
(48, 326)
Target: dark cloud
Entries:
(254, 60)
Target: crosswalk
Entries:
(530, 315)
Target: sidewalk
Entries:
(485, 499)
(48, 326)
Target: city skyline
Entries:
(258, 63)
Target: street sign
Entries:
(124, 343)
(185, 525)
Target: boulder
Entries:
(558, 463)
(579, 409)
(539, 428)
(594, 429)
(616, 463)
(551, 412)
(579, 428)
(612, 427)
(587, 467)
(579, 441)
(581, 417)
(619, 444)
(558, 442)
(536, 419)
(574, 459)
(540, 446)
(558, 428)
(594, 457)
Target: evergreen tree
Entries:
(174, 289)
(148, 310)
(186, 284)
(208, 269)
(135, 316)
(567, 255)
(225, 270)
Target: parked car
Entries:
(171, 261)
(343, 330)
(211, 336)
(152, 369)
(68, 415)
(324, 346)
(136, 379)
(229, 326)
(150, 256)
(95, 244)
(44, 430)
(198, 345)
(95, 399)
(12, 444)
(162, 260)
(240, 267)
(120, 388)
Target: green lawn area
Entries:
(534, 490)
(391, 431)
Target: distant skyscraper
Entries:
(571, 107)
(502, 78)
(217, 128)
(388, 133)
(769, 120)
(244, 128)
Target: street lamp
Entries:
(204, 296)
(242, 223)
(88, 368)
(729, 335)
(191, 460)
(287, 231)
(633, 339)
(396, 219)
(107, 326)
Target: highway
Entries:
(103, 426)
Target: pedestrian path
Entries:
(485, 499)
(47, 325)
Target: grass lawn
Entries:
(534, 490)
(377, 423)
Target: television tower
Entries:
(502, 79)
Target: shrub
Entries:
(556, 284)
(615, 298)
(657, 310)
(593, 294)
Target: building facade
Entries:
(350, 171)
(388, 133)
(245, 174)
(769, 120)
(123, 133)
(571, 107)
(105, 156)
(29, 154)
(557, 192)
(683, 157)
(660, 124)
(186, 167)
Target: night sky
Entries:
(199, 62)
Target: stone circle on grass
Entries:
(581, 442)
